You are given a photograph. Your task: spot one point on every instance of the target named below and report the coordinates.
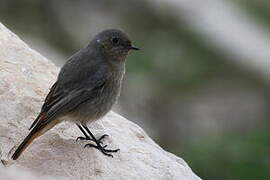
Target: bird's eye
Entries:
(115, 41)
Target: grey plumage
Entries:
(87, 86)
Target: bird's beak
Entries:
(131, 47)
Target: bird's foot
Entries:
(103, 149)
(97, 142)
(87, 138)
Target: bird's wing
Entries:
(66, 104)
(65, 95)
(52, 98)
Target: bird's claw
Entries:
(102, 137)
(83, 138)
(89, 139)
(102, 149)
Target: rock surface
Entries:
(26, 77)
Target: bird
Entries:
(87, 87)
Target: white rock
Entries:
(14, 173)
(25, 79)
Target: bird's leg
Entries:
(86, 137)
(98, 144)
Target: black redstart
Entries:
(87, 87)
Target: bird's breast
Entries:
(100, 104)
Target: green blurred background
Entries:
(200, 86)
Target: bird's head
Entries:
(114, 44)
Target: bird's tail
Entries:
(34, 133)
(31, 136)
